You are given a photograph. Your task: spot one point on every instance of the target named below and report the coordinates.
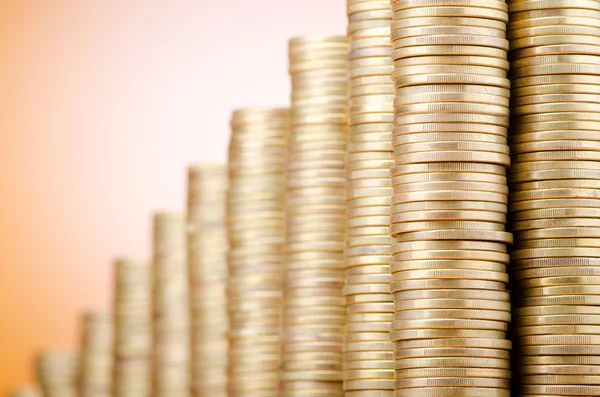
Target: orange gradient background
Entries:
(104, 103)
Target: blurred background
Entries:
(104, 104)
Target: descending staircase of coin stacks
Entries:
(356, 244)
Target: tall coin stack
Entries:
(96, 364)
(555, 210)
(314, 310)
(369, 353)
(450, 198)
(26, 391)
(133, 329)
(57, 373)
(171, 356)
(207, 266)
(255, 211)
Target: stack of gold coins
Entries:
(96, 364)
(27, 391)
(171, 355)
(555, 210)
(450, 197)
(207, 266)
(255, 217)
(133, 329)
(369, 353)
(314, 310)
(57, 373)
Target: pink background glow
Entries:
(104, 103)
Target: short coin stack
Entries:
(450, 198)
(133, 329)
(26, 391)
(369, 353)
(314, 310)
(171, 357)
(96, 364)
(255, 216)
(207, 264)
(57, 373)
(555, 177)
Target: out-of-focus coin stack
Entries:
(207, 263)
(133, 329)
(555, 210)
(171, 327)
(96, 363)
(26, 391)
(450, 198)
(57, 373)
(255, 217)
(314, 310)
(369, 353)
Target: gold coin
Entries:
(561, 380)
(415, 334)
(554, 108)
(580, 155)
(437, 245)
(560, 369)
(428, 138)
(408, 227)
(492, 325)
(371, 308)
(562, 360)
(367, 269)
(402, 80)
(437, 314)
(454, 293)
(564, 280)
(481, 186)
(453, 372)
(452, 10)
(460, 118)
(352, 299)
(555, 89)
(467, 343)
(368, 241)
(486, 383)
(447, 215)
(450, 274)
(366, 289)
(384, 355)
(448, 195)
(500, 64)
(445, 69)
(459, 362)
(455, 21)
(444, 29)
(438, 127)
(570, 390)
(554, 340)
(562, 300)
(458, 254)
(369, 364)
(561, 290)
(457, 234)
(369, 393)
(369, 384)
(556, 262)
(419, 304)
(559, 232)
(448, 167)
(406, 285)
(369, 374)
(448, 176)
(443, 146)
(524, 274)
(442, 264)
(369, 346)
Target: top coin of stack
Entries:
(555, 176)
(369, 353)
(171, 357)
(57, 373)
(26, 391)
(255, 217)
(314, 311)
(207, 264)
(95, 369)
(133, 329)
(450, 198)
